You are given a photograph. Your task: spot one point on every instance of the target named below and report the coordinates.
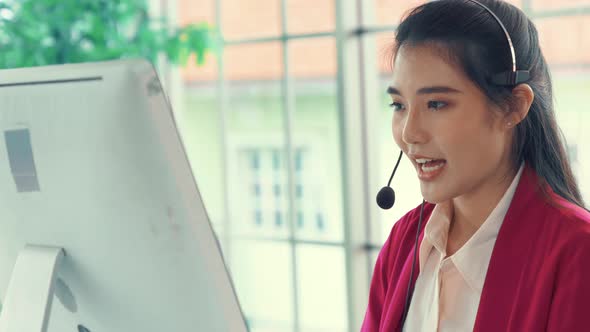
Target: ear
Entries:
(523, 97)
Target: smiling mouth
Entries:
(428, 169)
(431, 165)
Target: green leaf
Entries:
(60, 31)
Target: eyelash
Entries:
(396, 106)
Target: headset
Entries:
(386, 196)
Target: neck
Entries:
(471, 210)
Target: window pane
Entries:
(323, 53)
(517, 3)
(198, 12)
(248, 19)
(263, 279)
(384, 43)
(255, 138)
(564, 40)
(321, 280)
(571, 89)
(203, 73)
(254, 147)
(316, 141)
(565, 44)
(308, 16)
(561, 4)
(191, 11)
(199, 108)
(390, 12)
(202, 140)
(253, 62)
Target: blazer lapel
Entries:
(509, 257)
(394, 314)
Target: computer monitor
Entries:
(102, 227)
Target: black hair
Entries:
(468, 35)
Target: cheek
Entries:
(475, 139)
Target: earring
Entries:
(509, 124)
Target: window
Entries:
(289, 135)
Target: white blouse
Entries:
(447, 291)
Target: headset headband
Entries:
(514, 76)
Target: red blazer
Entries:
(538, 278)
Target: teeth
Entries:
(423, 160)
(433, 168)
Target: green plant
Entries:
(43, 32)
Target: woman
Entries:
(505, 242)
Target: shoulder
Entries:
(557, 215)
(569, 225)
(546, 217)
(567, 218)
(564, 235)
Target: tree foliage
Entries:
(43, 32)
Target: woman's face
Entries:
(457, 141)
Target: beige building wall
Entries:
(565, 40)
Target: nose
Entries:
(413, 131)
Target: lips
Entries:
(428, 167)
(432, 165)
(425, 160)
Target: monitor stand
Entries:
(27, 305)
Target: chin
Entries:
(435, 195)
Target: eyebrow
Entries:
(426, 90)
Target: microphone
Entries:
(385, 200)
(386, 196)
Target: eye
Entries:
(436, 105)
(396, 106)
